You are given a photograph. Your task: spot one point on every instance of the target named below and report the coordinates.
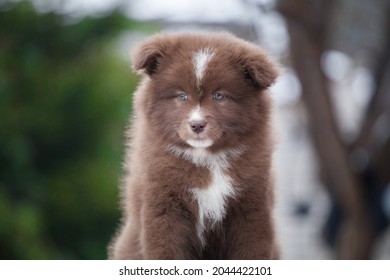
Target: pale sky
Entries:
(182, 10)
(189, 10)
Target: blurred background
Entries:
(65, 98)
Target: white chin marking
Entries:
(200, 143)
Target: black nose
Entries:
(197, 126)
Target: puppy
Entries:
(198, 181)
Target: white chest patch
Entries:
(201, 60)
(212, 200)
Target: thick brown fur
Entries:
(161, 213)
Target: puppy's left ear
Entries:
(146, 59)
(147, 56)
(259, 69)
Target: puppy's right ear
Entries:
(147, 56)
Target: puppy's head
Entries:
(203, 91)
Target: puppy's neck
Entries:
(205, 158)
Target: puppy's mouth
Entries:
(197, 128)
(200, 142)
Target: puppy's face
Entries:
(203, 91)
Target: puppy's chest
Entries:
(213, 194)
(212, 200)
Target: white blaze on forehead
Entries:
(201, 59)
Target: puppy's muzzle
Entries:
(198, 126)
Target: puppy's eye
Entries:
(182, 96)
(218, 96)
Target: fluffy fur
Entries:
(198, 181)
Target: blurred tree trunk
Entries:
(374, 136)
(308, 26)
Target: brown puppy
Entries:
(198, 181)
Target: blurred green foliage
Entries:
(65, 96)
